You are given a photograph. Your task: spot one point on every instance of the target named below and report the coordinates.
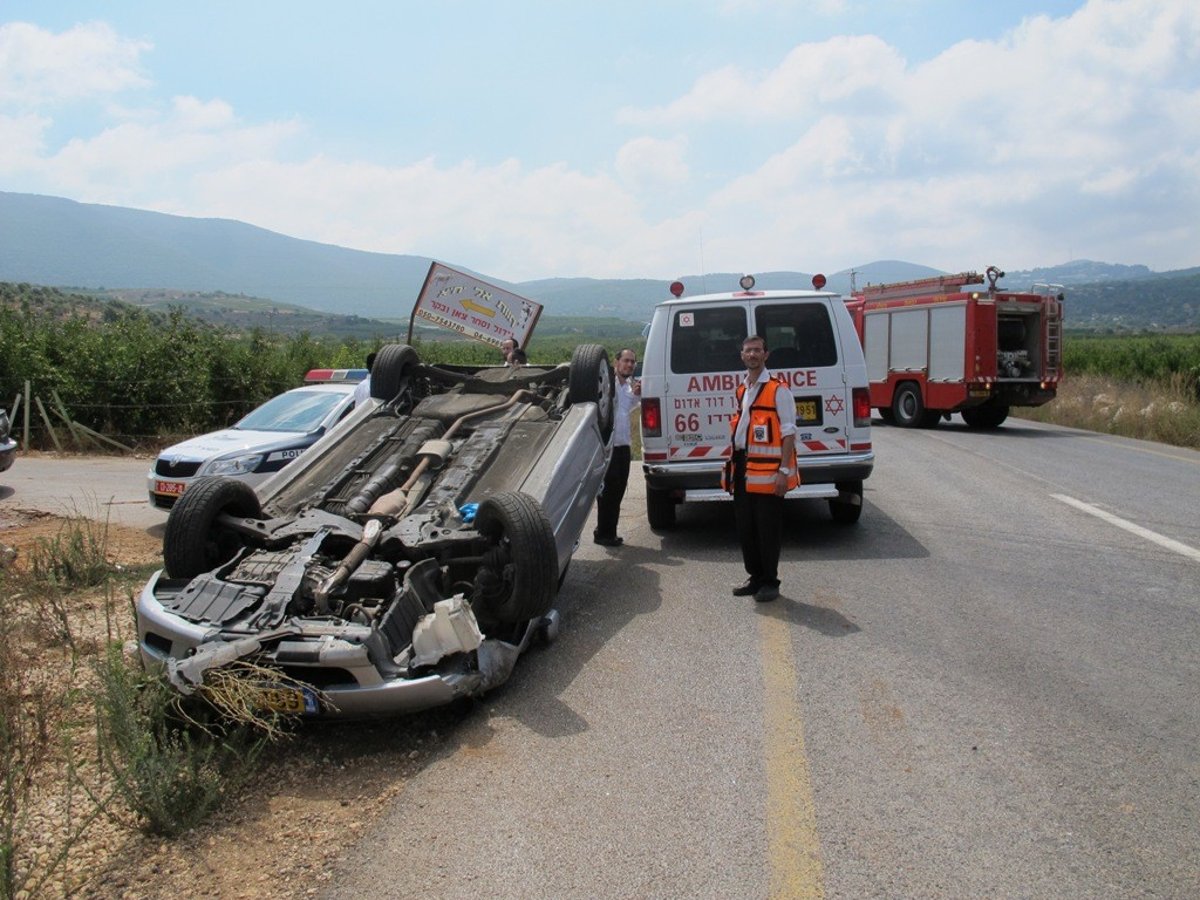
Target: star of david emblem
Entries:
(834, 405)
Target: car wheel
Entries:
(592, 381)
(908, 409)
(985, 417)
(194, 542)
(393, 364)
(845, 510)
(518, 579)
(660, 509)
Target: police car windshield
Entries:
(301, 411)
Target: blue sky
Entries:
(538, 139)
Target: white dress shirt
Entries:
(627, 402)
(785, 408)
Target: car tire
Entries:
(908, 409)
(660, 509)
(521, 580)
(847, 512)
(592, 381)
(193, 542)
(393, 364)
(987, 417)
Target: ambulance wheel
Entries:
(908, 409)
(592, 381)
(660, 509)
(393, 364)
(194, 541)
(846, 508)
(986, 417)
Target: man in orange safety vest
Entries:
(761, 469)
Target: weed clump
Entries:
(170, 766)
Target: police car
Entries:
(263, 442)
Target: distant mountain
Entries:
(1079, 271)
(51, 241)
(61, 243)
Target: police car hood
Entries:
(232, 441)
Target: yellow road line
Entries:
(794, 849)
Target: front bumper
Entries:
(339, 668)
(8, 453)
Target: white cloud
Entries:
(40, 67)
(1073, 136)
(844, 71)
(648, 161)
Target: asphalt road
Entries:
(989, 687)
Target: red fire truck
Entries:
(937, 346)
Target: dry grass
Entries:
(1168, 413)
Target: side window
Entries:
(707, 340)
(799, 335)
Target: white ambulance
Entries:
(690, 372)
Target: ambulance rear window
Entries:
(707, 340)
(799, 335)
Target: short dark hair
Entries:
(755, 337)
(518, 355)
(370, 360)
(625, 350)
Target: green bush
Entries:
(169, 769)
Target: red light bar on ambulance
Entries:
(316, 376)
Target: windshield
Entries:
(302, 411)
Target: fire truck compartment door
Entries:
(947, 328)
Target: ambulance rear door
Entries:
(803, 347)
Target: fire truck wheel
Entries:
(907, 407)
(886, 414)
(846, 507)
(985, 417)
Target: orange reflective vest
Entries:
(764, 443)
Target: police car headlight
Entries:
(236, 465)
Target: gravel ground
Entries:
(311, 798)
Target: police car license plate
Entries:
(806, 411)
(174, 488)
(288, 701)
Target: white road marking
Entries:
(1173, 545)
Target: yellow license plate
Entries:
(288, 701)
(806, 411)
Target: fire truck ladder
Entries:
(1054, 338)
(940, 284)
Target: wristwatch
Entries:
(784, 471)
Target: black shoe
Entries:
(608, 541)
(766, 593)
(745, 590)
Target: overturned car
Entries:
(407, 559)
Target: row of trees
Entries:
(145, 377)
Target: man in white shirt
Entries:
(608, 504)
(362, 390)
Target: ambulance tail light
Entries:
(651, 417)
(861, 401)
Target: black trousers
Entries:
(608, 504)
(759, 527)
